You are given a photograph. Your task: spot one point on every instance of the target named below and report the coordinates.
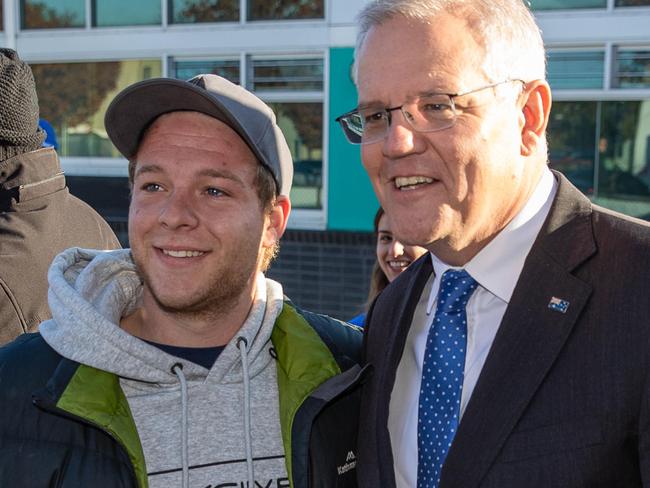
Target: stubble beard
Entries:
(223, 290)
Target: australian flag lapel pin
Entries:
(558, 305)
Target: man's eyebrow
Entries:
(220, 173)
(370, 104)
(423, 93)
(210, 173)
(147, 168)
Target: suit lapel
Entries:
(396, 312)
(530, 337)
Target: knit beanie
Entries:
(19, 131)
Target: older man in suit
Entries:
(515, 353)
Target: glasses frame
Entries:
(342, 119)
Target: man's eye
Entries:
(214, 192)
(151, 187)
(373, 118)
(434, 107)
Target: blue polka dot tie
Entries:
(442, 376)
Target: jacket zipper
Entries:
(359, 378)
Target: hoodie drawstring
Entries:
(177, 369)
(242, 345)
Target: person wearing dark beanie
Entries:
(19, 130)
(39, 216)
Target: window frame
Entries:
(609, 91)
(165, 23)
(581, 49)
(615, 49)
(173, 60)
(300, 218)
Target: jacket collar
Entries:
(94, 397)
(29, 175)
(28, 168)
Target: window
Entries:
(624, 146)
(48, 14)
(296, 85)
(73, 97)
(571, 138)
(302, 125)
(566, 4)
(186, 69)
(631, 68)
(125, 12)
(576, 69)
(632, 3)
(285, 9)
(196, 11)
(603, 147)
(287, 74)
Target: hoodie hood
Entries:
(90, 291)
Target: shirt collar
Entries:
(498, 265)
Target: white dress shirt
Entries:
(496, 268)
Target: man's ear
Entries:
(277, 221)
(533, 119)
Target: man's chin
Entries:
(187, 303)
(425, 236)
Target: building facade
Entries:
(297, 55)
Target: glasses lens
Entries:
(429, 114)
(426, 114)
(352, 127)
(375, 124)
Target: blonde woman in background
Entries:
(393, 258)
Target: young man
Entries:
(40, 218)
(178, 363)
(514, 354)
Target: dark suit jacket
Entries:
(563, 399)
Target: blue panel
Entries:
(126, 12)
(566, 4)
(351, 201)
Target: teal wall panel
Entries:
(351, 202)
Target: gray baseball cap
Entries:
(138, 105)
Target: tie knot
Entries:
(456, 288)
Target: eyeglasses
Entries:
(429, 113)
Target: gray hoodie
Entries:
(198, 428)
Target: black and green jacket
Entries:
(67, 425)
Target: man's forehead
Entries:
(207, 172)
(404, 58)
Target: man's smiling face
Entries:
(196, 224)
(452, 190)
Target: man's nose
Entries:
(177, 211)
(400, 136)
